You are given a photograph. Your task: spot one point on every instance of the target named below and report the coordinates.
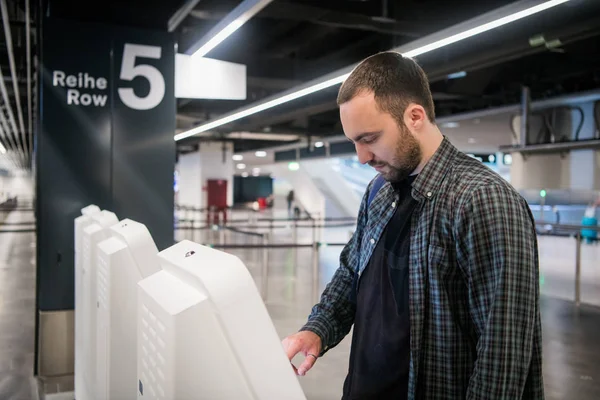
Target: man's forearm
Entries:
(332, 318)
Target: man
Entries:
(440, 278)
(290, 201)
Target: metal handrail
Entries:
(317, 245)
(18, 230)
(568, 227)
(229, 227)
(281, 219)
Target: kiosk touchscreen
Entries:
(124, 259)
(204, 332)
(92, 235)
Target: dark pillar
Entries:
(105, 137)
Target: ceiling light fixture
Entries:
(241, 166)
(238, 157)
(457, 75)
(450, 125)
(319, 144)
(260, 153)
(261, 107)
(231, 23)
(2, 149)
(332, 79)
(244, 174)
(218, 38)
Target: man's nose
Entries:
(364, 155)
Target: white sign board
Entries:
(206, 78)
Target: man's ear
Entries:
(415, 117)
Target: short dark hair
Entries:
(395, 81)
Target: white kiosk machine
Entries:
(86, 353)
(126, 258)
(81, 222)
(204, 332)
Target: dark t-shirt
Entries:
(380, 353)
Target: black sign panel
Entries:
(107, 120)
(143, 123)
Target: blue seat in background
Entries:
(589, 235)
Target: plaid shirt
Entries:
(473, 285)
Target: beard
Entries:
(407, 156)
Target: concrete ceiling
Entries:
(294, 41)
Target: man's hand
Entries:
(307, 343)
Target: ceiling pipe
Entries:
(28, 51)
(6, 127)
(181, 14)
(13, 72)
(552, 147)
(384, 9)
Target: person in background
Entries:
(589, 220)
(270, 200)
(290, 201)
(440, 279)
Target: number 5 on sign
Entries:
(129, 71)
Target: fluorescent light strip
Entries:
(2, 149)
(238, 17)
(261, 107)
(483, 28)
(339, 79)
(218, 38)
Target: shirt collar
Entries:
(431, 177)
(403, 184)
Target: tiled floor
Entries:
(571, 347)
(17, 308)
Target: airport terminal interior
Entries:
(176, 185)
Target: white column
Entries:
(195, 169)
(217, 166)
(540, 171)
(190, 180)
(585, 163)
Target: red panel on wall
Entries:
(217, 193)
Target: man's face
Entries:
(379, 140)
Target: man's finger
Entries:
(291, 347)
(294, 368)
(308, 363)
